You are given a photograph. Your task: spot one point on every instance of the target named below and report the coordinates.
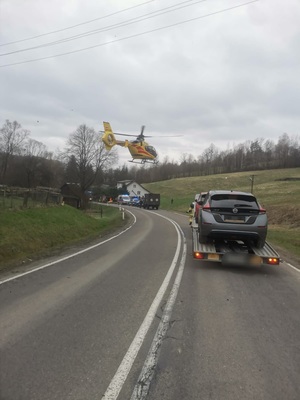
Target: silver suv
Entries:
(232, 215)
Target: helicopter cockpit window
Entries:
(151, 150)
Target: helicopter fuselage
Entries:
(142, 150)
(139, 149)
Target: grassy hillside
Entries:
(277, 190)
(30, 233)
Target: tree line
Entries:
(25, 162)
(259, 154)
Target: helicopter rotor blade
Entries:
(124, 134)
(165, 136)
(144, 136)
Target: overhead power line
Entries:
(75, 26)
(132, 36)
(131, 21)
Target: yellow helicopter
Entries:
(140, 150)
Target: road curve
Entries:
(74, 330)
(66, 328)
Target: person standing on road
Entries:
(191, 213)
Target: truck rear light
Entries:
(198, 255)
(273, 261)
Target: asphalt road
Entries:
(136, 317)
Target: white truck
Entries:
(232, 252)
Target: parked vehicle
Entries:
(123, 199)
(135, 201)
(232, 215)
(151, 200)
(198, 204)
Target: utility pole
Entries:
(252, 182)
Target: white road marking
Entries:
(71, 255)
(120, 376)
(141, 388)
(290, 265)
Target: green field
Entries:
(35, 232)
(277, 190)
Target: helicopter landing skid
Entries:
(143, 162)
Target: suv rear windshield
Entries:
(234, 200)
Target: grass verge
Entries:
(31, 233)
(287, 241)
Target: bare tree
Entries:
(209, 154)
(294, 159)
(71, 174)
(12, 137)
(35, 148)
(35, 153)
(87, 150)
(282, 150)
(269, 152)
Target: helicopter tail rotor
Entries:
(108, 138)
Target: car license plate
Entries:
(255, 260)
(215, 257)
(235, 259)
(236, 220)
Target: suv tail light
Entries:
(206, 208)
(261, 210)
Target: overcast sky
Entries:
(214, 71)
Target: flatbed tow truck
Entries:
(232, 252)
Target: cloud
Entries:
(225, 77)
